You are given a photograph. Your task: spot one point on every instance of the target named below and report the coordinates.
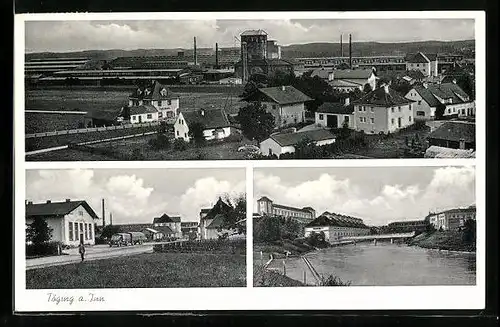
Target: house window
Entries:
(177, 133)
(77, 234)
(274, 106)
(371, 109)
(392, 121)
(360, 119)
(71, 231)
(149, 116)
(81, 228)
(409, 119)
(133, 117)
(169, 102)
(399, 109)
(160, 114)
(90, 232)
(372, 120)
(86, 227)
(321, 116)
(449, 111)
(185, 135)
(392, 109)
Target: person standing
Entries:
(81, 249)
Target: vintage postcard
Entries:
(211, 161)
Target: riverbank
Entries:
(267, 278)
(451, 241)
(279, 249)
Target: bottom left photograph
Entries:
(135, 228)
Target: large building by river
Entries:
(266, 206)
(336, 226)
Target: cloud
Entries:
(204, 194)
(449, 187)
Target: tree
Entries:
(160, 142)
(439, 114)
(307, 149)
(267, 229)
(109, 231)
(469, 235)
(38, 232)
(256, 123)
(196, 133)
(367, 88)
(345, 132)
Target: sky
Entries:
(378, 195)
(64, 36)
(137, 195)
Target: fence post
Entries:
(284, 268)
(304, 277)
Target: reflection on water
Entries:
(386, 264)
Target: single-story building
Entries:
(455, 135)
(334, 114)
(280, 143)
(70, 221)
(215, 122)
(347, 80)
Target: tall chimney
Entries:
(103, 215)
(195, 54)
(350, 52)
(110, 218)
(216, 55)
(341, 47)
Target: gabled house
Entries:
(323, 73)
(425, 63)
(428, 97)
(285, 103)
(215, 122)
(285, 142)
(454, 135)
(383, 110)
(154, 96)
(335, 226)
(213, 220)
(170, 226)
(348, 80)
(71, 221)
(334, 114)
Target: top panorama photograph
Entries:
(249, 89)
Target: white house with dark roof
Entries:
(336, 226)
(213, 220)
(428, 97)
(383, 110)
(285, 142)
(425, 63)
(151, 97)
(285, 103)
(170, 226)
(215, 122)
(348, 80)
(266, 206)
(71, 221)
(334, 114)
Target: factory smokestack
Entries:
(341, 47)
(216, 55)
(111, 218)
(195, 54)
(103, 215)
(350, 52)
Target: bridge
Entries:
(377, 237)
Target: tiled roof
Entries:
(379, 97)
(152, 92)
(125, 228)
(253, 32)
(290, 208)
(352, 73)
(343, 83)
(336, 108)
(57, 209)
(444, 91)
(417, 58)
(284, 95)
(166, 219)
(455, 131)
(321, 73)
(144, 109)
(287, 139)
(441, 152)
(337, 220)
(220, 207)
(218, 221)
(213, 118)
(165, 230)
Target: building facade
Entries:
(452, 219)
(425, 63)
(286, 142)
(335, 227)
(215, 123)
(382, 110)
(417, 226)
(266, 206)
(170, 226)
(212, 220)
(334, 115)
(71, 221)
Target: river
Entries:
(385, 264)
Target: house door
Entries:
(81, 237)
(332, 121)
(399, 122)
(140, 119)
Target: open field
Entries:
(150, 270)
(96, 101)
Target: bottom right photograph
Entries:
(364, 226)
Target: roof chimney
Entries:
(68, 200)
(48, 201)
(347, 101)
(282, 87)
(386, 88)
(195, 54)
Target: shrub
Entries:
(43, 249)
(332, 280)
(179, 145)
(160, 142)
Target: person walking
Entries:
(81, 249)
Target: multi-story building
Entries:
(266, 206)
(213, 220)
(426, 63)
(405, 226)
(256, 43)
(335, 226)
(452, 219)
(169, 226)
(383, 110)
(189, 228)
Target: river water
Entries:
(385, 264)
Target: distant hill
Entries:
(292, 51)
